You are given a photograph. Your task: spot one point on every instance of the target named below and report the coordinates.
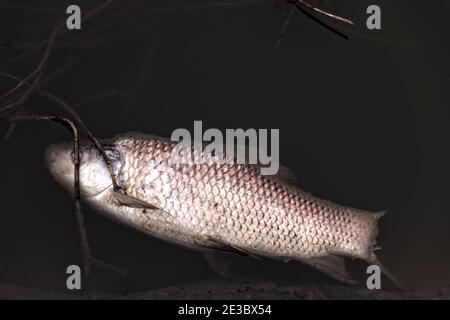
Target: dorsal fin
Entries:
(377, 215)
(286, 176)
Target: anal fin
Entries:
(219, 263)
(333, 266)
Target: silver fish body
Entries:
(216, 205)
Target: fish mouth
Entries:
(58, 161)
(59, 164)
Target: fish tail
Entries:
(372, 258)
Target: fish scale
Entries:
(236, 205)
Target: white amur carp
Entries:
(229, 207)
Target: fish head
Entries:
(94, 174)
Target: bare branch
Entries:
(69, 124)
(325, 13)
(36, 74)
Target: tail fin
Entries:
(387, 273)
(373, 259)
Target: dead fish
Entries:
(211, 206)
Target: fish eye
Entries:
(112, 153)
(114, 157)
(72, 156)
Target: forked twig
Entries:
(94, 140)
(69, 124)
(76, 116)
(88, 258)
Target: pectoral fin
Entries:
(130, 201)
(217, 244)
(333, 266)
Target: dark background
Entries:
(362, 123)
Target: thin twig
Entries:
(285, 25)
(56, 73)
(147, 65)
(36, 74)
(300, 4)
(107, 266)
(61, 28)
(126, 14)
(9, 133)
(325, 13)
